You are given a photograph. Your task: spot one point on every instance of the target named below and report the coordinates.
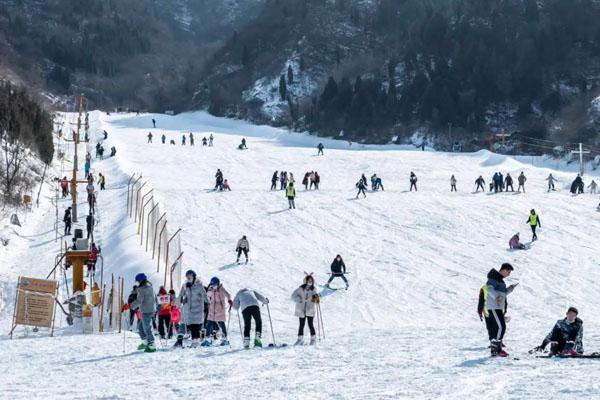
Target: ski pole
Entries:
(271, 323)
(240, 325)
(321, 318)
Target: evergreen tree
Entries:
(282, 88)
(290, 75)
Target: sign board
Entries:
(35, 302)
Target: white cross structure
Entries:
(581, 153)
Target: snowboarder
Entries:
(508, 182)
(566, 337)
(149, 137)
(274, 180)
(413, 181)
(183, 140)
(243, 246)
(550, 180)
(218, 299)
(338, 270)
(101, 181)
(153, 123)
(191, 139)
(163, 139)
(515, 244)
(290, 193)
(360, 185)
(89, 225)
(534, 222)
(492, 306)
(320, 148)
(210, 140)
(521, 179)
(593, 186)
(67, 221)
(306, 298)
(164, 301)
(452, 184)
(247, 301)
(146, 303)
(192, 298)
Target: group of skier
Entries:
(565, 338)
(206, 142)
(221, 184)
(283, 179)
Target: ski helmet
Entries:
(190, 272)
(214, 281)
(141, 277)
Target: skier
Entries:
(210, 140)
(311, 178)
(67, 221)
(291, 178)
(92, 259)
(274, 180)
(492, 306)
(373, 179)
(364, 179)
(153, 123)
(218, 180)
(305, 180)
(290, 193)
(550, 180)
(338, 269)
(218, 298)
(146, 303)
(243, 246)
(283, 180)
(534, 222)
(64, 185)
(593, 186)
(317, 180)
(360, 185)
(480, 184)
(89, 225)
(164, 301)
(566, 337)
(577, 185)
(192, 298)
(452, 184)
(508, 182)
(247, 300)
(306, 298)
(87, 167)
(163, 138)
(191, 139)
(149, 137)
(413, 181)
(515, 244)
(226, 185)
(379, 184)
(130, 300)
(320, 148)
(204, 141)
(101, 181)
(101, 150)
(183, 140)
(521, 179)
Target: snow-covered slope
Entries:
(406, 328)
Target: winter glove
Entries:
(266, 301)
(125, 307)
(316, 298)
(230, 302)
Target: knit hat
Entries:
(141, 277)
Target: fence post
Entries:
(128, 188)
(137, 196)
(141, 229)
(130, 204)
(135, 217)
(159, 241)
(156, 230)
(148, 224)
(167, 255)
(171, 271)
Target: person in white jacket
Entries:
(306, 298)
(243, 246)
(247, 300)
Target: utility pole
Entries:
(74, 179)
(581, 153)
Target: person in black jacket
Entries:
(338, 269)
(132, 312)
(566, 337)
(508, 182)
(67, 221)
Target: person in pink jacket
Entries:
(218, 301)
(515, 244)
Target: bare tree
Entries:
(13, 154)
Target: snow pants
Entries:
(210, 326)
(559, 340)
(333, 276)
(533, 228)
(241, 250)
(480, 185)
(145, 328)
(452, 188)
(550, 186)
(164, 326)
(311, 326)
(521, 185)
(495, 324)
(413, 184)
(291, 202)
(249, 314)
(361, 191)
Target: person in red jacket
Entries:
(92, 259)
(165, 302)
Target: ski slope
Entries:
(406, 328)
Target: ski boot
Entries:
(150, 348)
(495, 347)
(206, 343)
(300, 341)
(237, 261)
(224, 342)
(257, 342)
(347, 286)
(246, 343)
(194, 343)
(142, 345)
(179, 342)
(313, 340)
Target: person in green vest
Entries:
(534, 222)
(290, 193)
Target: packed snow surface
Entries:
(406, 328)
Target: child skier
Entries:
(165, 302)
(306, 298)
(515, 244)
(218, 298)
(243, 246)
(247, 301)
(145, 302)
(566, 337)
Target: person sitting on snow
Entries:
(515, 244)
(566, 337)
